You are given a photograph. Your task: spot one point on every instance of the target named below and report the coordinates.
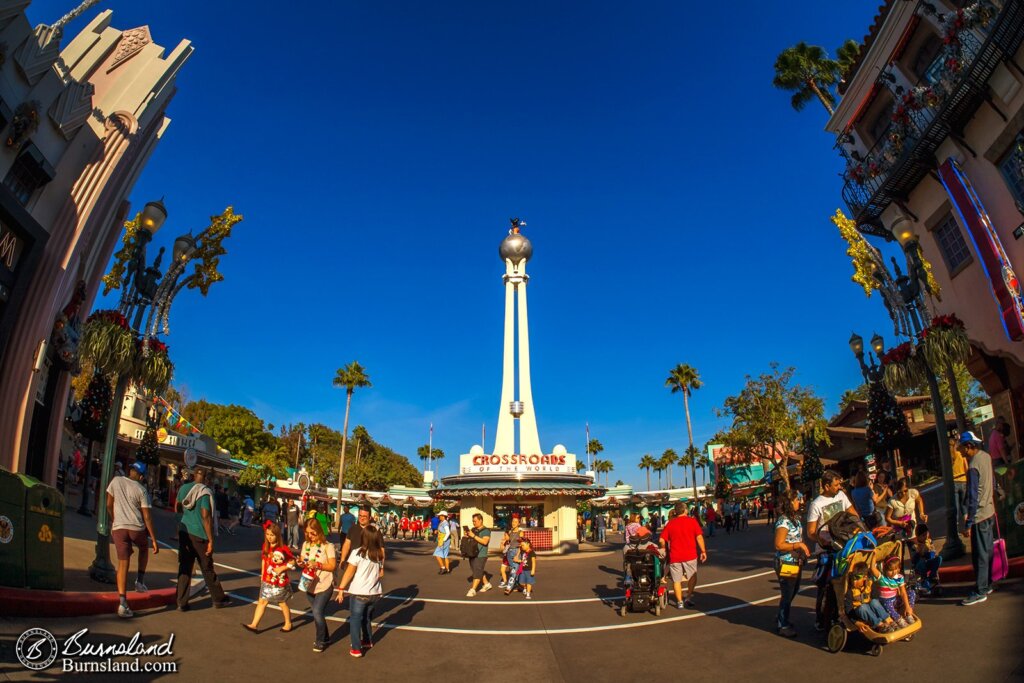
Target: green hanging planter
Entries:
(904, 368)
(153, 368)
(945, 341)
(108, 343)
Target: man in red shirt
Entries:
(684, 538)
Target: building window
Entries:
(1012, 168)
(29, 172)
(952, 245)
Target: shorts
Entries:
(442, 551)
(681, 571)
(125, 538)
(477, 565)
(526, 578)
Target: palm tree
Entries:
(580, 466)
(846, 56)
(425, 453)
(809, 72)
(669, 458)
(647, 463)
(608, 467)
(687, 380)
(594, 447)
(659, 467)
(352, 376)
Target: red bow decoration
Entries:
(266, 524)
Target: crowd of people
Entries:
(879, 594)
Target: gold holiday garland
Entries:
(859, 253)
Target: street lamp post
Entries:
(144, 289)
(904, 298)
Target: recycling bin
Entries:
(12, 530)
(44, 537)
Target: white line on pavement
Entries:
(447, 601)
(544, 631)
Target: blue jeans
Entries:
(711, 528)
(981, 554)
(928, 567)
(360, 615)
(871, 613)
(600, 534)
(319, 605)
(788, 589)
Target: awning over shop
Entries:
(502, 488)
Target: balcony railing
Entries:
(941, 103)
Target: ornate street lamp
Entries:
(146, 289)
(903, 296)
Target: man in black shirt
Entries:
(354, 538)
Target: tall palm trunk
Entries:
(689, 431)
(648, 469)
(821, 96)
(341, 464)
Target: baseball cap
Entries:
(969, 437)
(442, 513)
(139, 467)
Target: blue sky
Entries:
(678, 208)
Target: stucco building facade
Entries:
(79, 123)
(931, 124)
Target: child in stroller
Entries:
(926, 562)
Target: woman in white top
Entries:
(363, 582)
(906, 508)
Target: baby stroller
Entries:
(862, 548)
(642, 567)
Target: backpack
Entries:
(844, 526)
(468, 547)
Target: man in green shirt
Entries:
(195, 540)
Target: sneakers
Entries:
(471, 593)
(487, 587)
(529, 596)
(787, 632)
(680, 605)
(318, 647)
(367, 644)
(819, 627)
(221, 604)
(688, 602)
(124, 611)
(503, 584)
(356, 653)
(141, 587)
(910, 618)
(901, 623)
(988, 591)
(973, 599)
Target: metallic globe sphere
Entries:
(516, 247)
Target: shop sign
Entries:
(517, 464)
(10, 248)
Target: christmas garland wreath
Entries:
(945, 341)
(153, 368)
(904, 368)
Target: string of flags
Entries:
(174, 420)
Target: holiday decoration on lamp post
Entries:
(132, 351)
(909, 361)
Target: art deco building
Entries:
(79, 119)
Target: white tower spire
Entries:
(515, 251)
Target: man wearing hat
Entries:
(444, 543)
(981, 513)
(128, 506)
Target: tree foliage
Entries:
(769, 415)
(808, 72)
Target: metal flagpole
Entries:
(430, 447)
(483, 436)
(589, 468)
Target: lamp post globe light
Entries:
(903, 295)
(147, 290)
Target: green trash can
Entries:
(12, 530)
(44, 537)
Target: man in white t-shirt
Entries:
(128, 506)
(831, 502)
